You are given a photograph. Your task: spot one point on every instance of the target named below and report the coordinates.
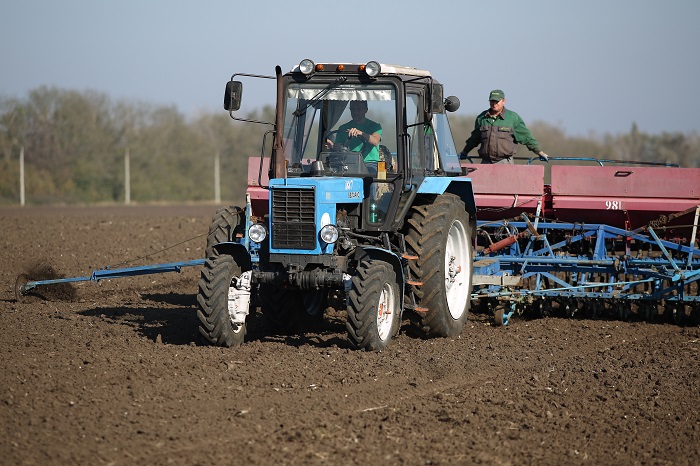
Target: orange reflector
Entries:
(362, 67)
(340, 68)
(319, 67)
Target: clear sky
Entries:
(589, 67)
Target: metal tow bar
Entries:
(24, 285)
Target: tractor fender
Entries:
(461, 187)
(237, 251)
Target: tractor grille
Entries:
(293, 218)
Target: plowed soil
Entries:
(114, 372)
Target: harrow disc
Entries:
(20, 283)
(499, 316)
(647, 311)
(624, 311)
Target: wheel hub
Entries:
(384, 317)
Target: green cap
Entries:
(497, 94)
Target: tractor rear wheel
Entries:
(224, 226)
(219, 274)
(439, 233)
(373, 306)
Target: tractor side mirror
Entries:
(451, 103)
(232, 95)
(436, 101)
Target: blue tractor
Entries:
(373, 217)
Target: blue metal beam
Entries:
(106, 274)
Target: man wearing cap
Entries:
(499, 131)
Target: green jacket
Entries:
(499, 136)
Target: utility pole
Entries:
(21, 176)
(127, 178)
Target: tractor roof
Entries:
(309, 67)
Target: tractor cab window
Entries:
(449, 157)
(431, 142)
(349, 128)
(422, 146)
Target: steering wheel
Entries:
(343, 147)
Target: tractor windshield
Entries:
(350, 128)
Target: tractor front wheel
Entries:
(374, 306)
(218, 302)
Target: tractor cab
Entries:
(383, 124)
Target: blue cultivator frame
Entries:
(583, 268)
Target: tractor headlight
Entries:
(257, 233)
(372, 68)
(329, 234)
(306, 66)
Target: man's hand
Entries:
(354, 132)
(543, 157)
(462, 156)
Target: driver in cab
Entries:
(359, 135)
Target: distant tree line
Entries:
(74, 144)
